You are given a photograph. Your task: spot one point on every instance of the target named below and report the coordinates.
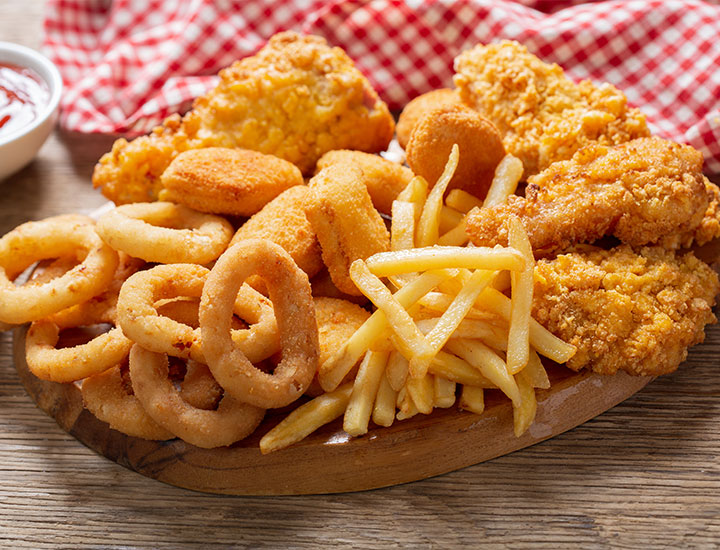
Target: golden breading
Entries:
(638, 312)
(542, 115)
(283, 222)
(384, 179)
(708, 228)
(219, 180)
(479, 142)
(415, 109)
(337, 320)
(640, 192)
(297, 98)
(345, 221)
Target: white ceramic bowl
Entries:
(17, 148)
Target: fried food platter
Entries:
(329, 461)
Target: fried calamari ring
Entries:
(137, 314)
(165, 233)
(110, 398)
(61, 236)
(418, 107)
(221, 180)
(232, 421)
(480, 144)
(383, 178)
(291, 297)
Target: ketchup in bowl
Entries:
(23, 95)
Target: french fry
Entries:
(502, 281)
(507, 176)
(396, 370)
(406, 406)
(415, 191)
(306, 419)
(447, 365)
(455, 237)
(524, 412)
(384, 409)
(422, 392)
(402, 232)
(535, 372)
(396, 262)
(518, 348)
(398, 318)
(468, 328)
(489, 363)
(449, 218)
(449, 321)
(428, 227)
(365, 388)
(544, 341)
(462, 201)
(336, 367)
(472, 399)
(444, 392)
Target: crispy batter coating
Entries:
(345, 221)
(422, 104)
(708, 228)
(220, 180)
(638, 312)
(543, 115)
(283, 222)
(479, 142)
(639, 192)
(337, 320)
(383, 178)
(297, 98)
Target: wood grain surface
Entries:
(645, 474)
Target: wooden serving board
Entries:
(329, 461)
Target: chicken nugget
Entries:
(345, 221)
(219, 180)
(383, 178)
(297, 98)
(337, 321)
(479, 142)
(283, 222)
(421, 105)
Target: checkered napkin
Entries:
(129, 63)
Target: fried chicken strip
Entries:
(623, 310)
(640, 192)
(542, 114)
(297, 98)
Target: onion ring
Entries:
(138, 316)
(231, 422)
(291, 296)
(165, 233)
(110, 399)
(73, 363)
(198, 388)
(61, 236)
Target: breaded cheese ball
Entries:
(220, 180)
(479, 142)
(383, 178)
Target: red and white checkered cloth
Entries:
(129, 63)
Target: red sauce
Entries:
(23, 94)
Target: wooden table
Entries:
(645, 474)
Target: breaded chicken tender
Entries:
(337, 320)
(625, 310)
(283, 222)
(708, 228)
(297, 98)
(220, 180)
(421, 105)
(345, 221)
(542, 115)
(383, 178)
(640, 192)
(479, 143)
